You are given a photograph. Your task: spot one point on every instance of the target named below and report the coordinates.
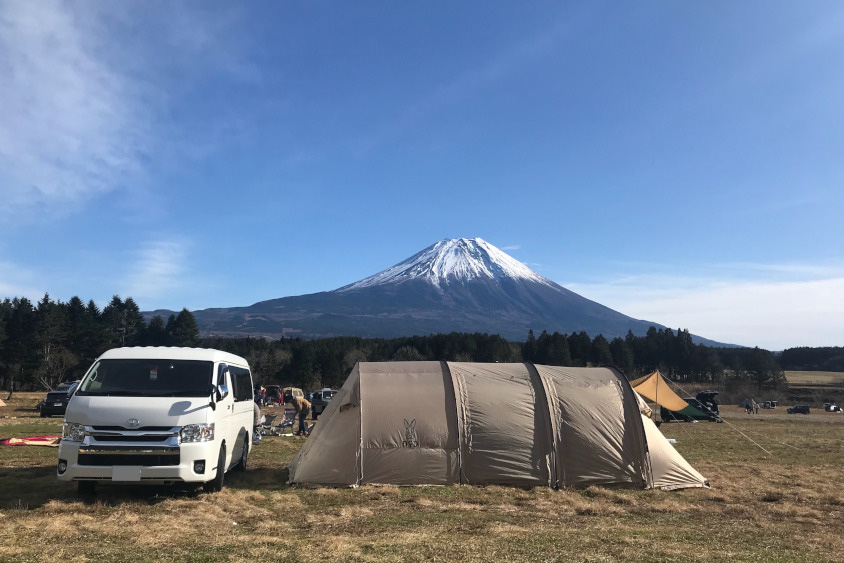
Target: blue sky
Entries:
(679, 162)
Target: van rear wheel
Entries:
(216, 484)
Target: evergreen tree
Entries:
(580, 346)
(55, 361)
(98, 339)
(169, 330)
(134, 326)
(558, 353)
(530, 348)
(184, 331)
(407, 354)
(156, 332)
(600, 352)
(112, 322)
(764, 370)
(20, 354)
(622, 357)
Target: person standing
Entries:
(303, 409)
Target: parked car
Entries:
(798, 409)
(831, 407)
(273, 395)
(289, 392)
(319, 400)
(55, 403)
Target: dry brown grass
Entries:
(788, 506)
(803, 378)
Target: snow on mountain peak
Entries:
(450, 260)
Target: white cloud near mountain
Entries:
(806, 309)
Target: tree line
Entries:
(829, 358)
(671, 352)
(312, 364)
(48, 342)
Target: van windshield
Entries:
(149, 378)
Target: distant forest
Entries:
(50, 341)
(813, 359)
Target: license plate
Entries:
(126, 473)
(57, 404)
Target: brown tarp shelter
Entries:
(654, 387)
(441, 423)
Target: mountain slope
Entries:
(462, 285)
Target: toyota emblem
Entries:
(133, 423)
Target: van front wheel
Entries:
(241, 466)
(216, 484)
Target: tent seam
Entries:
(553, 478)
(646, 469)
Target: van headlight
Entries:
(197, 433)
(73, 432)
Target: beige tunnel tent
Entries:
(441, 423)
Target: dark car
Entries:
(273, 396)
(798, 409)
(55, 403)
(703, 401)
(319, 400)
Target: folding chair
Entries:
(267, 424)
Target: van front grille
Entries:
(142, 428)
(123, 459)
(127, 455)
(118, 438)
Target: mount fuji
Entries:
(455, 285)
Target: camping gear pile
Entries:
(50, 441)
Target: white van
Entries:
(158, 415)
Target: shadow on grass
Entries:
(30, 488)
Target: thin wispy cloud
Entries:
(19, 281)
(159, 269)
(85, 112)
(465, 86)
(72, 125)
(511, 247)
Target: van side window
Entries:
(242, 382)
(221, 375)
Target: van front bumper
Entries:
(138, 463)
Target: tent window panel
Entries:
(416, 410)
(596, 446)
(505, 441)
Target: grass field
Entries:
(815, 378)
(786, 506)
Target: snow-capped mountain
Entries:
(455, 285)
(453, 260)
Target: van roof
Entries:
(172, 353)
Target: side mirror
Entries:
(222, 392)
